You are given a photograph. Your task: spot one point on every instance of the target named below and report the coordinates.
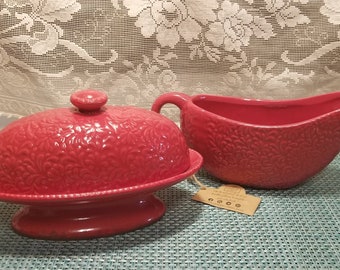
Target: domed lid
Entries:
(91, 147)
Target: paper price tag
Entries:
(230, 197)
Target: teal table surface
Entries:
(296, 228)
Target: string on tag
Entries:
(194, 179)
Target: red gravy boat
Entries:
(260, 143)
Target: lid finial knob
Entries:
(88, 100)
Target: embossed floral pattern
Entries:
(262, 155)
(63, 152)
(136, 50)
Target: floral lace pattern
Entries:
(136, 50)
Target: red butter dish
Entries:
(90, 170)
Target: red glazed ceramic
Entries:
(260, 143)
(90, 170)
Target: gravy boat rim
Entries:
(267, 103)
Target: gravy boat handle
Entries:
(176, 98)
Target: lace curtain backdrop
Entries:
(136, 50)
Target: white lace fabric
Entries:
(135, 50)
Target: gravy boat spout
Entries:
(260, 143)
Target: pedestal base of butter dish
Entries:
(84, 220)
